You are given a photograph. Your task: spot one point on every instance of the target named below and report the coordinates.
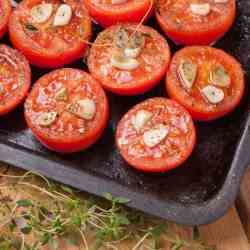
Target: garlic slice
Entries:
(135, 45)
(220, 77)
(124, 63)
(46, 118)
(121, 38)
(84, 108)
(118, 1)
(155, 136)
(62, 94)
(63, 15)
(132, 52)
(187, 73)
(41, 13)
(140, 119)
(213, 95)
(220, 1)
(202, 9)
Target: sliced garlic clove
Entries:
(63, 15)
(46, 119)
(212, 94)
(220, 77)
(84, 109)
(132, 53)
(155, 136)
(121, 38)
(41, 13)
(220, 1)
(124, 63)
(118, 1)
(202, 9)
(187, 73)
(62, 95)
(137, 40)
(140, 119)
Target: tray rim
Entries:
(194, 214)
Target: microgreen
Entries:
(58, 212)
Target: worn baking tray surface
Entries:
(198, 192)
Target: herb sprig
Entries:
(45, 213)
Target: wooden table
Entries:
(231, 232)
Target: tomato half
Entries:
(156, 135)
(50, 34)
(15, 79)
(67, 110)
(214, 82)
(5, 10)
(129, 61)
(192, 22)
(111, 12)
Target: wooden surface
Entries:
(231, 232)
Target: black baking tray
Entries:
(199, 192)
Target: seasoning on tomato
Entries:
(192, 22)
(111, 12)
(5, 10)
(206, 81)
(50, 33)
(128, 60)
(67, 110)
(15, 79)
(156, 135)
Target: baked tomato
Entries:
(5, 10)
(206, 81)
(15, 78)
(156, 135)
(192, 22)
(129, 61)
(50, 33)
(111, 12)
(67, 110)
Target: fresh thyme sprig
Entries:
(44, 213)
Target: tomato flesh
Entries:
(206, 58)
(184, 27)
(44, 44)
(171, 151)
(69, 132)
(15, 78)
(153, 62)
(5, 10)
(107, 14)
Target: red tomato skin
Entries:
(131, 89)
(107, 18)
(159, 166)
(197, 36)
(20, 98)
(207, 116)
(135, 90)
(36, 57)
(7, 10)
(71, 146)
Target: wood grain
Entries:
(243, 203)
(226, 233)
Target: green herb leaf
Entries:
(67, 189)
(26, 230)
(108, 196)
(121, 200)
(24, 203)
(158, 230)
